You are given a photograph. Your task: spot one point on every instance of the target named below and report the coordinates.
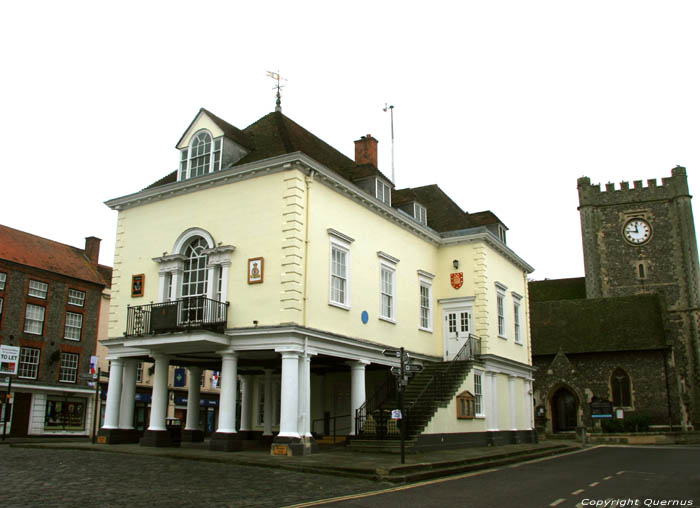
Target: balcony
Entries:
(185, 314)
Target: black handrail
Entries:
(192, 312)
(324, 419)
(375, 404)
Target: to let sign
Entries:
(9, 357)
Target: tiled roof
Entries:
(275, 134)
(557, 289)
(30, 250)
(597, 325)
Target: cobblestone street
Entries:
(70, 478)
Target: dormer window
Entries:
(502, 233)
(420, 213)
(203, 156)
(383, 192)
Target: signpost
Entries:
(402, 373)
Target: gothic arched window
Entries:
(621, 388)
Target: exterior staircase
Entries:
(434, 387)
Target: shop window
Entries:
(65, 413)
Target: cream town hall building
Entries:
(272, 258)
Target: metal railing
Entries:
(327, 426)
(373, 418)
(189, 313)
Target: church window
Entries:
(621, 388)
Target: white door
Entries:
(457, 325)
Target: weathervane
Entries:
(391, 109)
(276, 76)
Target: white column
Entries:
(307, 394)
(163, 286)
(246, 403)
(268, 404)
(114, 393)
(176, 281)
(126, 406)
(513, 407)
(211, 281)
(193, 393)
(290, 394)
(529, 415)
(358, 394)
(492, 397)
(227, 397)
(159, 399)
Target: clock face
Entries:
(637, 231)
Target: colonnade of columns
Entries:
(295, 410)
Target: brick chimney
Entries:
(366, 150)
(92, 249)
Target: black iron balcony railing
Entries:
(190, 313)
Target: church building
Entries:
(627, 333)
(293, 272)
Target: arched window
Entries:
(200, 154)
(203, 156)
(194, 277)
(621, 388)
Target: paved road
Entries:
(626, 476)
(70, 478)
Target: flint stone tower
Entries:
(642, 240)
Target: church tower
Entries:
(642, 240)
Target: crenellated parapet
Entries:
(671, 187)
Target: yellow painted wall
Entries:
(445, 420)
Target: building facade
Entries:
(287, 268)
(628, 331)
(50, 298)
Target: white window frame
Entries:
(479, 394)
(425, 281)
(33, 315)
(517, 318)
(139, 372)
(340, 243)
(501, 310)
(29, 360)
(383, 192)
(387, 272)
(38, 289)
(74, 323)
(3, 280)
(420, 213)
(76, 297)
(68, 371)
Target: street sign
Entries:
(396, 371)
(395, 353)
(414, 367)
(89, 376)
(396, 414)
(9, 358)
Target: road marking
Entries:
(558, 501)
(608, 478)
(576, 492)
(620, 472)
(593, 484)
(392, 489)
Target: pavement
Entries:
(336, 461)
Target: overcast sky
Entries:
(504, 104)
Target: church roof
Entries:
(557, 289)
(597, 325)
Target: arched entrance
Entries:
(564, 409)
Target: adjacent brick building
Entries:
(50, 299)
(628, 331)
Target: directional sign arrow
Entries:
(396, 371)
(392, 352)
(414, 367)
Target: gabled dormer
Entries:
(366, 175)
(210, 144)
